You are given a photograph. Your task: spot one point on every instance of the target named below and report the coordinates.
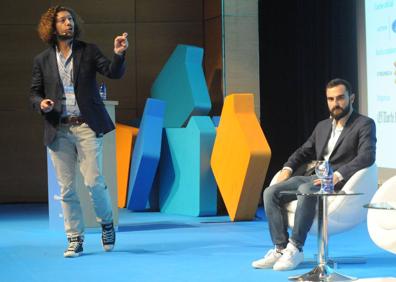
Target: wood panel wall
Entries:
(213, 53)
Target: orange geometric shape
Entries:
(125, 137)
(240, 157)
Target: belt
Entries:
(72, 120)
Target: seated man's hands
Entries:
(317, 181)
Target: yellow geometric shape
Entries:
(125, 137)
(240, 157)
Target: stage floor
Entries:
(159, 247)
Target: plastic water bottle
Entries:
(327, 181)
(103, 91)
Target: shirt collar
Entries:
(60, 53)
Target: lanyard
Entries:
(66, 71)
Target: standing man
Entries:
(347, 140)
(65, 92)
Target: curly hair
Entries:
(46, 27)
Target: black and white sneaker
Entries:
(108, 236)
(75, 247)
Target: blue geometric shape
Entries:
(187, 184)
(216, 120)
(181, 83)
(146, 155)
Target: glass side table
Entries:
(381, 206)
(322, 272)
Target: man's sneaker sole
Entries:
(72, 254)
(108, 248)
(260, 266)
(268, 260)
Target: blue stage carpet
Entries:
(158, 247)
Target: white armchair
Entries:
(381, 223)
(344, 213)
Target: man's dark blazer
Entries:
(46, 84)
(354, 150)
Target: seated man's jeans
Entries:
(78, 145)
(305, 213)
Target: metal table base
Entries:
(322, 272)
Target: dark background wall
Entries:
(213, 53)
(303, 45)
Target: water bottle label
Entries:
(327, 185)
(102, 91)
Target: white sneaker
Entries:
(268, 260)
(291, 257)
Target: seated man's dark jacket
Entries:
(354, 150)
(46, 84)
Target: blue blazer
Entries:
(354, 150)
(47, 84)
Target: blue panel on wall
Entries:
(187, 184)
(146, 155)
(181, 83)
(54, 205)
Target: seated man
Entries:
(347, 140)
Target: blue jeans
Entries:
(305, 213)
(78, 145)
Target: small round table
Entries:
(321, 272)
(381, 206)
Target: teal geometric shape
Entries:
(181, 83)
(187, 184)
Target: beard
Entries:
(342, 113)
(65, 36)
